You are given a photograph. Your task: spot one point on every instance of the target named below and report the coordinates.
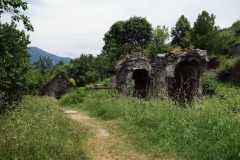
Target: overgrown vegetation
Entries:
(14, 64)
(39, 130)
(209, 130)
(75, 97)
(232, 34)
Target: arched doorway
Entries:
(141, 80)
(184, 85)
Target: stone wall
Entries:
(135, 67)
(179, 75)
(171, 74)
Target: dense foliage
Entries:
(14, 64)
(14, 7)
(123, 38)
(157, 43)
(232, 34)
(83, 70)
(205, 35)
(180, 31)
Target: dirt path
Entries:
(104, 144)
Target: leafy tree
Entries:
(41, 74)
(83, 70)
(124, 36)
(44, 65)
(114, 37)
(232, 34)
(137, 32)
(122, 39)
(14, 7)
(14, 64)
(180, 31)
(205, 35)
(157, 44)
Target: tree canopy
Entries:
(157, 43)
(14, 7)
(205, 35)
(14, 66)
(134, 32)
(180, 31)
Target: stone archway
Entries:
(140, 77)
(184, 85)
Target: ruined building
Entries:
(176, 75)
(58, 86)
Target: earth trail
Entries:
(104, 144)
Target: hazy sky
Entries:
(69, 28)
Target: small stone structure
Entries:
(58, 86)
(137, 68)
(176, 75)
(179, 75)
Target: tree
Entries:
(41, 73)
(122, 39)
(205, 35)
(157, 44)
(83, 70)
(180, 31)
(14, 64)
(114, 37)
(137, 32)
(14, 7)
(44, 65)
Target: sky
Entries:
(69, 28)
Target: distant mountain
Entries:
(37, 52)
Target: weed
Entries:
(38, 130)
(156, 127)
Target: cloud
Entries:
(72, 27)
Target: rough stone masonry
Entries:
(175, 75)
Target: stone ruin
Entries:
(137, 68)
(175, 75)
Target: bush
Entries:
(72, 81)
(209, 87)
(73, 98)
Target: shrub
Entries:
(72, 81)
(73, 98)
(209, 87)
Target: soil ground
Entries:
(105, 144)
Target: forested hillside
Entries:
(37, 52)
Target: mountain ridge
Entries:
(36, 52)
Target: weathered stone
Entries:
(58, 86)
(135, 67)
(177, 75)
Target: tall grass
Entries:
(38, 130)
(210, 130)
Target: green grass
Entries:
(209, 130)
(39, 130)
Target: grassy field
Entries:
(39, 130)
(208, 130)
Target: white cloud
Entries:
(72, 27)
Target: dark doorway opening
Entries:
(184, 85)
(58, 95)
(141, 80)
